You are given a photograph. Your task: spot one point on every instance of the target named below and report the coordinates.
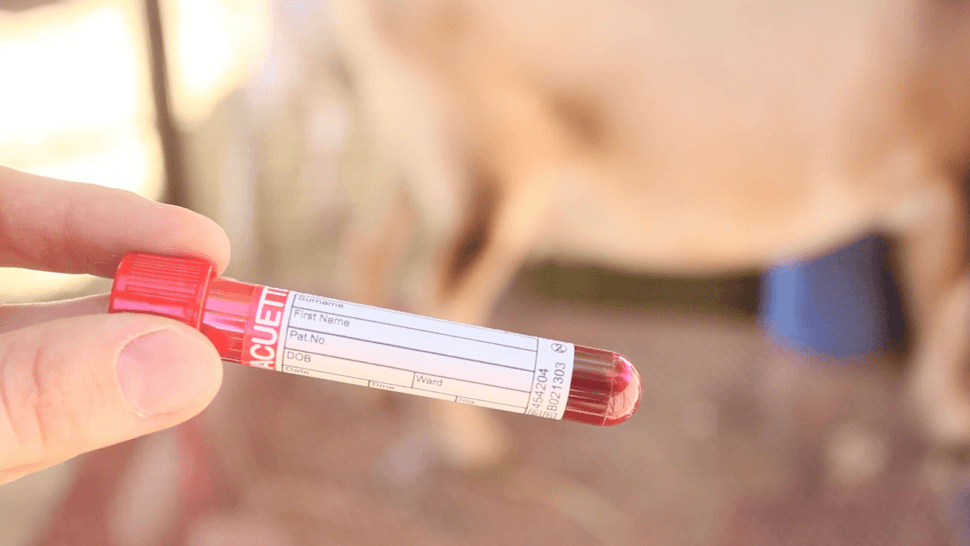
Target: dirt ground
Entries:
(735, 443)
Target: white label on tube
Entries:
(401, 352)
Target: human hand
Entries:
(72, 377)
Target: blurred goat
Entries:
(671, 137)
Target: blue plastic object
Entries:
(837, 305)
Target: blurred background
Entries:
(244, 111)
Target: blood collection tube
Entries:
(352, 343)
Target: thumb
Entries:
(78, 384)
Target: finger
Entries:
(85, 228)
(78, 384)
(14, 317)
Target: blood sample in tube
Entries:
(326, 338)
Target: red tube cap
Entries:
(160, 285)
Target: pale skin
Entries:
(73, 378)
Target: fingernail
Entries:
(164, 372)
